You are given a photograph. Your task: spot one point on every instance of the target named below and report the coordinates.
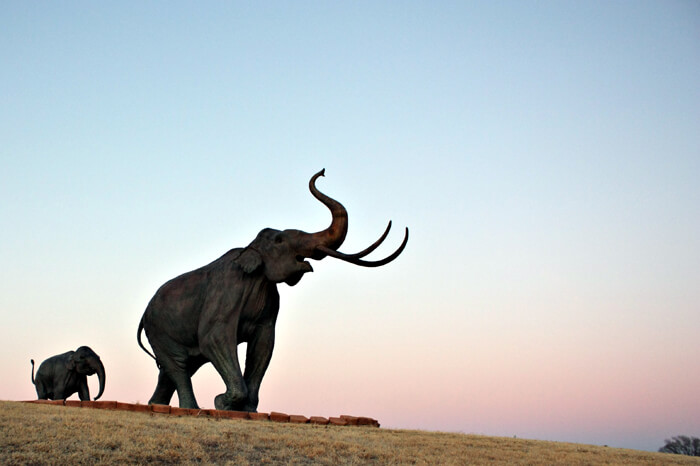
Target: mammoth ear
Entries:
(249, 260)
(70, 362)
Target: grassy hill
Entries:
(44, 434)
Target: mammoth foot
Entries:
(225, 402)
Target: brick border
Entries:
(167, 410)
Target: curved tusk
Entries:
(371, 248)
(355, 258)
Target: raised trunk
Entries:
(333, 236)
(100, 369)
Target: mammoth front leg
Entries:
(83, 390)
(220, 348)
(258, 355)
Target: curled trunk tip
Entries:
(333, 236)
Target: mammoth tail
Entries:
(138, 338)
(33, 371)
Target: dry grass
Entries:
(43, 434)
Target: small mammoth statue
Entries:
(64, 374)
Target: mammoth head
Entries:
(85, 361)
(281, 254)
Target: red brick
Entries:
(224, 414)
(139, 408)
(298, 419)
(259, 416)
(188, 411)
(318, 420)
(351, 420)
(51, 402)
(337, 421)
(87, 404)
(105, 404)
(175, 411)
(73, 403)
(367, 421)
(279, 417)
(160, 409)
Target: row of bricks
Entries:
(343, 420)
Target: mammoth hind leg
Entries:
(42, 391)
(170, 381)
(185, 393)
(164, 390)
(173, 377)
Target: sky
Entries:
(544, 155)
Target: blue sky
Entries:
(545, 155)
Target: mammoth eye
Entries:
(278, 239)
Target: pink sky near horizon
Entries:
(598, 395)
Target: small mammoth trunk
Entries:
(100, 370)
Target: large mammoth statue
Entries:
(64, 374)
(202, 315)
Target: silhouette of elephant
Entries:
(64, 374)
(202, 315)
